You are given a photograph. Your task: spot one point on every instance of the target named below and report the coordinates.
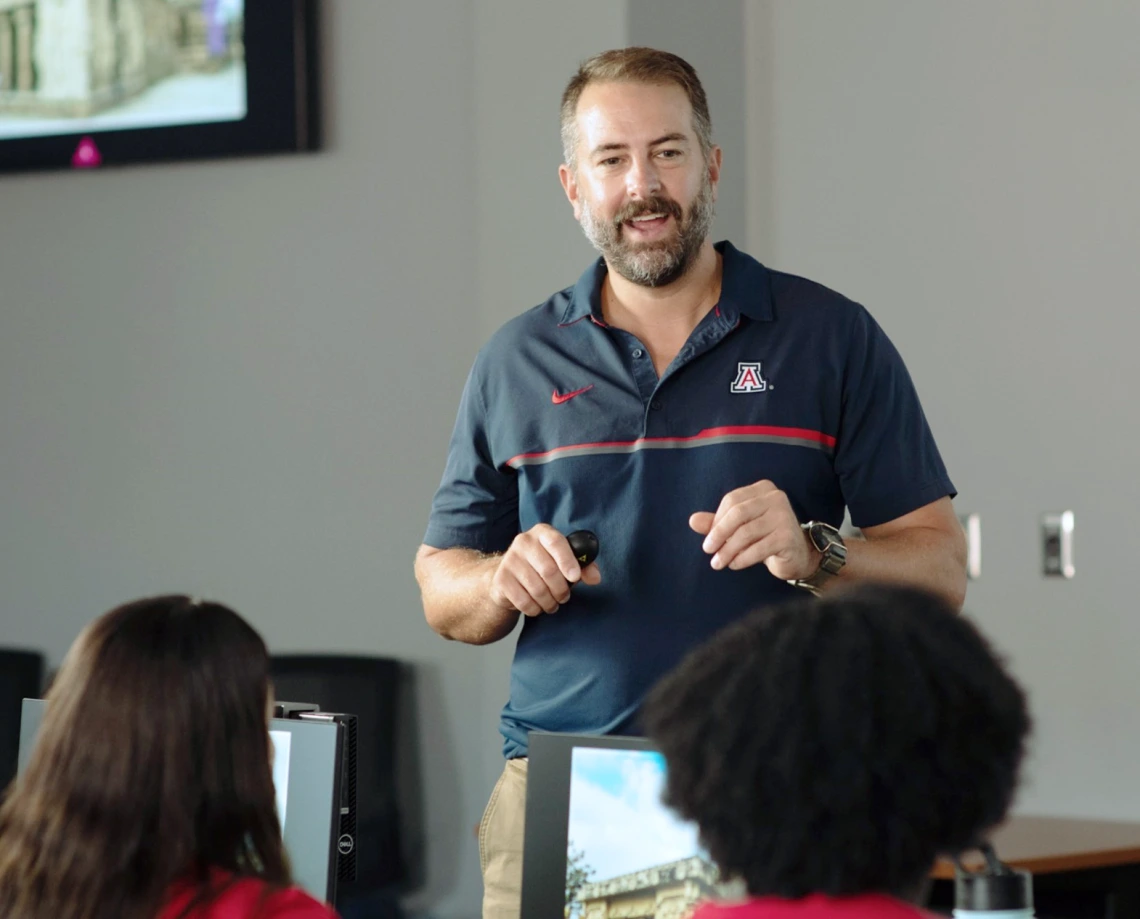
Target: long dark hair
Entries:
(152, 767)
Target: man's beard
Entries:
(652, 264)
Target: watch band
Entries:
(833, 555)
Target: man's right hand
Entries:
(536, 573)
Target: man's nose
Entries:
(642, 180)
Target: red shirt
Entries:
(815, 906)
(246, 899)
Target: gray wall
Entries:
(238, 378)
(710, 36)
(968, 171)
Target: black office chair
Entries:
(21, 677)
(370, 688)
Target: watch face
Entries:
(823, 536)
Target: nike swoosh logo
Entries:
(558, 398)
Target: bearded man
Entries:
(708, 418)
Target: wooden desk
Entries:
(1080, 867)
(1042, 845)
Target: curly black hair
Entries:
(839, 745)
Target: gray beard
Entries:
(653, 264)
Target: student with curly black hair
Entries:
(829, 750)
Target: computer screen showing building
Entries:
(622, 844)
(600, 842)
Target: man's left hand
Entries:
(756, 525)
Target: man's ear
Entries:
(569, 179)
(715, 156)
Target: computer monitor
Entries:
(308, 773)
(599, 841)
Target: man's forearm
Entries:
(931, 558)
(455, 585)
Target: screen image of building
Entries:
(669, 891)
(77, 58)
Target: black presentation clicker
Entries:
(584, 545)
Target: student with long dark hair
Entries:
(829, 750)
(150, 790)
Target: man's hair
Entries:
(634, 65)
(152, 767)
(840, 745)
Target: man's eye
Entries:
(670, 154)
(610, 161)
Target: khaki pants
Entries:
(501, 843)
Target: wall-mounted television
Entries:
(89, 83)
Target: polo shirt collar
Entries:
(745, 289)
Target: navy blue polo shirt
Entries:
(564, 421)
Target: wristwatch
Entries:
(834, 551)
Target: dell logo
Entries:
(345, 844)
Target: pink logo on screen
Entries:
(86, 155)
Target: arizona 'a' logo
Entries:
(748, 378)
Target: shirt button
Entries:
(637, 352)
(655, 405)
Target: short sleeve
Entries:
(886, 459)
(476, 505)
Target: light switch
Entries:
(972, 526)
(1057, 544)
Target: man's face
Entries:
(642, 190)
